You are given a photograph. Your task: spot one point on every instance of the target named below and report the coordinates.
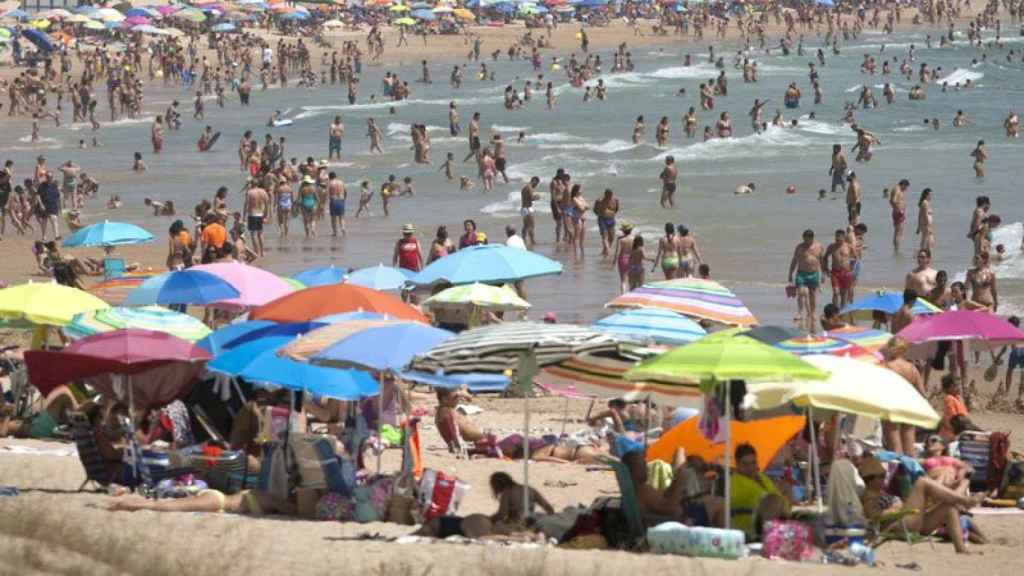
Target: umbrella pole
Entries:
(565, 416)
(526, 455)
(380, 420)
(815, 461)
(647, 422)
(726, 456)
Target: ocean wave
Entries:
(509, 207)
(1012, 265)
(772, 142)
(911, 128)
(961, 76)
(500, 128)
(579, 167)
(819, 127)
(77, 126)
(609, 147)
(554, 137)
(696, 71)
(399, 128)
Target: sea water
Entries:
(748, 241)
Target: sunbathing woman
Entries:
(566, 451)
(252, 502)
(43, 425)
(934, 506)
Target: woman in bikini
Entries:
(689, 253)
(690, 122)
(724, 126)
(636, 263)
(623, 246)
(982, 281)
(668, 253)
(441, 246)
(638, 130)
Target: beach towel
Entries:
(675, 538)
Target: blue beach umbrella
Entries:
(215, 342)
(488, 264)
(286, 329)
(225, 27)
(321, 275)
(661, 326)
(379, 277)
(258, 363)
(16, 13)
(888, 302)
(139, 12)
(382, 348)
(90, 11)
(181, 287)
(40, 39)
(423, 14)
(505, 8)
(108, 234)
(348, 316)
(296, 16)
(475, 381)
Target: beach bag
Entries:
(319, 467)
(1012, 487)
(787, 540)
(676, 538)
(334, 506)
(274, 477)
(364, 510)
(440, 494)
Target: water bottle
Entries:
(864, 554)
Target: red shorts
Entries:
(842, 278)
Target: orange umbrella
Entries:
(115, 290)
(766, 436)
(312, 303)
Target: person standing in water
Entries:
(474, 138)
(528, 195)
(898, 203)
(334, 135)
(256, 209)
(838, 168)
(807, 265)
(980, 155)
(668, 177)
(925, 221)
(336, 203)
(623, 247)
(606, 208)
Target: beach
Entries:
(748, 240)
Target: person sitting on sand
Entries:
(509, 494)
(43, 424)
(73, 220)
(930, 506)
(455, 427)
(830, 319)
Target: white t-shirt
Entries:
(515, 241)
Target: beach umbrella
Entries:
(109, 234)
(443, 9)
(259, 363)
(962, 325)
(767, 437)
(190, 286)
(660, 326)
(46, 303)
(363, 349)
(216, 342)
(463, 14)
(404, 22)
(321, 275)
(423, 14)
(475, 383)
(255, 286)
(79, 19)
(315, 341)
(274, 330)
(333, 24)
(154, 318)
(318, 301)
(144, 12)
(601, 376)
(224, 27)
(123, 352)
(55, 13)
(399, 8)
(718, 359)
(295, 284)
(191, 14)
(16, 14)
(109, 15)
(41, 24)
(868, 338)
(852, 387)
(173, 32)
(487, 263)
(497, 347)
(94, 25)
(90, 11)
(136, 20)
(347, 316)
(5, 33)
(888, 302)
(694, 297)
(379, 277)
(148, 29)
(479, 296)
(296, 16)
(818, 344)
(166, 9)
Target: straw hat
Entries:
(408, 229)
(307, 179)
(627, 228)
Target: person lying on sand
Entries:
(249, 502)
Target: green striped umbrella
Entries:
(154, 318)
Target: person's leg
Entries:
(907, 439)
(944, 516)
(926, 489)
(206, 501)
(891, 438)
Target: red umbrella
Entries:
(170, 363)
(312, 303)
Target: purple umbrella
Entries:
(962, 325)
(136, 20)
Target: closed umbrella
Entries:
(152, 318)
(379, 277)
(189, 286)
(109, 234)
(660, 326)
(312, 303)
(321, 275)
(694, 297)
(487, 263)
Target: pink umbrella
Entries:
(962, 325)
(136, 20)
(169, 363)
(166, 9)
(255, 285)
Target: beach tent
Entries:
(766, 436)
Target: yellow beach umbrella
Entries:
(399, 8)
(405, 21)
(40, 24)
(464, 14)
(94, 25)
(46, 303)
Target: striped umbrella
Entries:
(497, 347)
(316, 341)
(483, 296)
(153, 318)
(115, 290)
(660, 326)
(807, 345)
(868, 338)
(694, 297)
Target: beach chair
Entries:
(628, 503)
(224, 470)
(975, 449)
(88, 451)
(113, 268)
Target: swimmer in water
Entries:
(980, 155)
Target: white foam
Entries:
(500, 128)
(609, 147)
(77, 126)
(819, 127)
(961, 76)
(702, 70)
(554, 137)
(911, 128)
(772, 142)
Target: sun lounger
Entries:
(636, 521)
(96, 471)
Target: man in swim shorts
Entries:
(257, 207)
(838, 168)
(529, 195)
(606, 208)
(807, 263)
(334, 134)
(336, 203)
(841, 270)
(898, 202)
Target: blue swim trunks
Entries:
(337, 207)
(809, 279)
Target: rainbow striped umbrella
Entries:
(115, 290)
(153, 318)
(807, 345)
(694, 297)
(868, 338)
(594, 376)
